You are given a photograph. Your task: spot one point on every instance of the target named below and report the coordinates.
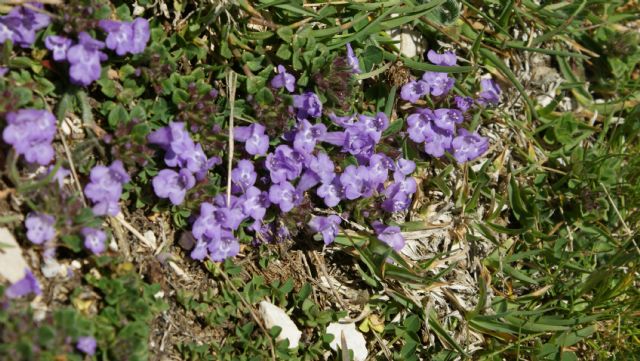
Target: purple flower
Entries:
(30, 132)
(448, 58)
(437, 141)
(322, 166)
(199, 252)
(284, 164)
(307, 136)
(308, 180)
(126, 37)
(5, 31)
(403, 168)
(27, 285)
(379, 165)
(406, 185)
(87, 344)
(141, 35)
(94, 240)
(343, 121)
(328, 226)
(331, 193)
(319, 169)
(173, 185)
(255, 203)
(389, 235)
(355, 181)
(284, 195)
(173, 137)
(21, 23)
(229, 216)
(85, 58)
(357, 139)
(119, 35)
(244, 175)
(398, 195)
(398, 202)
(60, 175)
(256, 142)
(490, 93)
(196, 161)
(468, 146)
(264, 232)
(181, 150)
(439, 83)
(284, 79)
(105, 188)
(414, 90)
(376, 124)
(227, 246)
(58, 45)
(463, 103)
(446, 119)
(418, 123)
(206, 225)
(308, 105)
(216, 222)
(352, 60)
(40, 227)
(3, 70)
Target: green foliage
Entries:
(230, 310)
(121, 325)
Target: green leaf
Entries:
(117, 115)
(371, 56)
(395, 127)
(179, 96)
(284, 52)
(443, 334)
(255, 83)
(73, 242)
(285, 33)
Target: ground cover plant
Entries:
(450, 179)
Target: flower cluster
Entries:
(298, 167)
(30, 132)
(41, 227)
(85, 56)
(438, 128)
(182, 152)
(105, 188)
(21, 23)
(432, 83)
(294, 167)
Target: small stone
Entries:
(151, 238)
(113, 245)
(50, 268)
(275, 316)
(355, 341)
(13, 263)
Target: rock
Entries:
(275, 316)
(354, 339)
(13, 263)
(51, 267)
(409, 42)
(151, 238)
